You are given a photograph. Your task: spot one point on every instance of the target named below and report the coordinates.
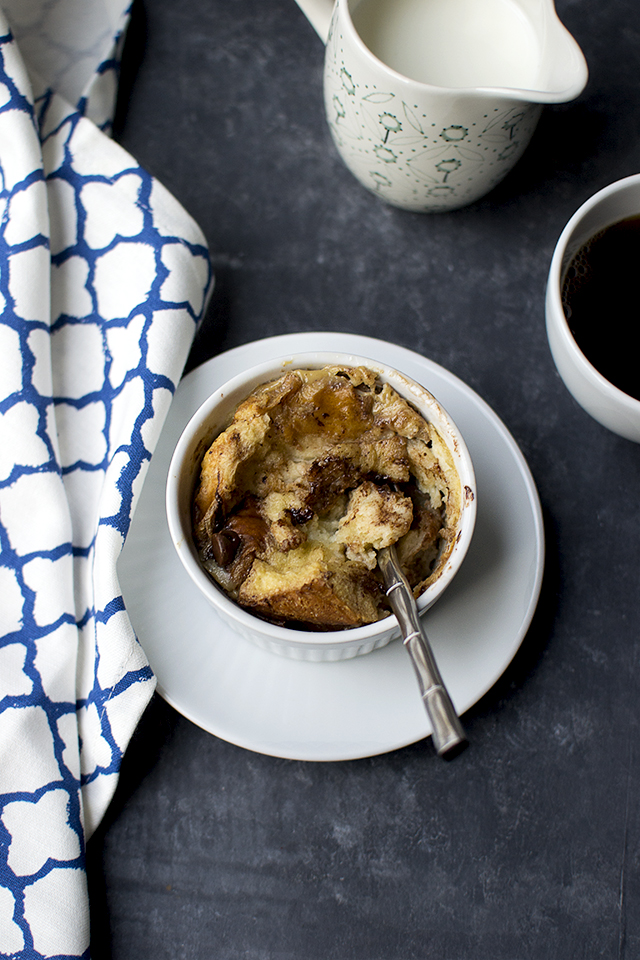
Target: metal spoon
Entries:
(448, 736)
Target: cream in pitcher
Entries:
(452, 43)
(431, 102)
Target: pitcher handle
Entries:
(318, 13)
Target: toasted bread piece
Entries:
(312, 585)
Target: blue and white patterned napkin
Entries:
(103, 278)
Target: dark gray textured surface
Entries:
(528, 845)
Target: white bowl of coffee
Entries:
(590, 306)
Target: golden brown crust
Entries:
(312, 593)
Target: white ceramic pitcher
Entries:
(440, 141)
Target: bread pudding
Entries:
(317, 471)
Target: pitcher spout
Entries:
(563, 71)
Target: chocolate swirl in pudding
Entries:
(317, 471)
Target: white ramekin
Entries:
(212, 417)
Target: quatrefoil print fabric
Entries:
(103, 279)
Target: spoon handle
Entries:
(448, 735)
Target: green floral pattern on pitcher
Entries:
(416, 158)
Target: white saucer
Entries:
(370, 704)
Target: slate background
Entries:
(528, 845)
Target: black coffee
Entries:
(600, 298)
